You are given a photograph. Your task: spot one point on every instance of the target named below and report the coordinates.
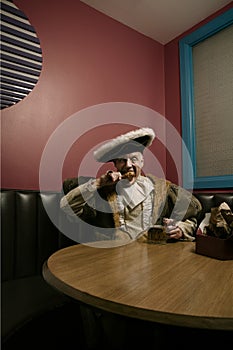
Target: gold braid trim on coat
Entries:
(112, 200)
(161, 187)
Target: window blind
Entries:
(21, 55)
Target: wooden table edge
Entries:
(200, 322)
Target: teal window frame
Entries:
(187, 103)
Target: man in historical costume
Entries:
(127, 202)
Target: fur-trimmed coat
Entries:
(99, 207)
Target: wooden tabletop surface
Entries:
(167, 283)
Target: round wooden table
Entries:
(169, 283)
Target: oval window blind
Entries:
(21, 55)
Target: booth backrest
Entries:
(28, 236)
(211, 200)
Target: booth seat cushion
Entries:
(28, 238)
(24, 299)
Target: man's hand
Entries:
(108, 179)
(172, 230)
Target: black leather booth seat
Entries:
(28, 238)
(210, 200)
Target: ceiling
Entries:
(161, 20)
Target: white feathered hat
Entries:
(133, 141)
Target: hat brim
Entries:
(133, 141)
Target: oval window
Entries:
(21, 55)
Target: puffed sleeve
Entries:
(186, 209)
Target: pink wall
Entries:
(88, 59)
